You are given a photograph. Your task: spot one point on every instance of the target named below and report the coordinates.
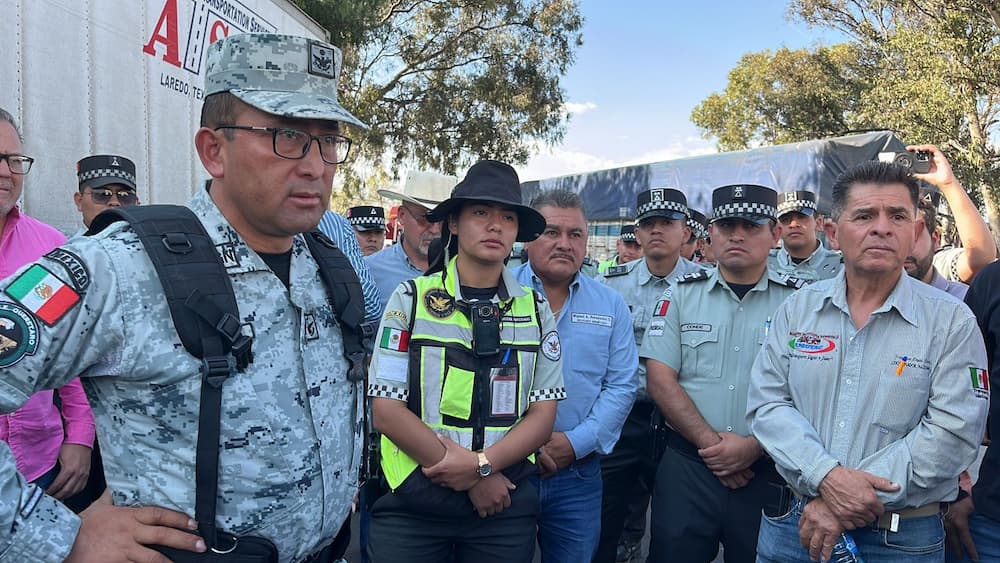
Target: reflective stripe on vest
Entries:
(440, 349)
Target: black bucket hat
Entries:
(492, 181)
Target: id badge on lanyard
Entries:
(503, 391)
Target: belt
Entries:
(890, 520)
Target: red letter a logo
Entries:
(168, 18)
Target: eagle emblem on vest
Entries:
(439, 303)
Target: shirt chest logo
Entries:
(810, 343)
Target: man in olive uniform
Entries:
(628, 471)
(699, 347)
(628, 250)
(801, 255)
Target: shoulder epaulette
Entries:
(694, 276)
(617, 271)
(796, 283)
(588, 261)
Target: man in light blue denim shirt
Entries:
(600, 367)
(870, 392)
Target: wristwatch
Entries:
(485, 467)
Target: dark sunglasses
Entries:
(101, 196)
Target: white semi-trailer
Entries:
(117, 76)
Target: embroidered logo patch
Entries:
(809, 343)
(439, 303)
(42, 293)
(980, 383)
(551, 348)
(18, 334)
(395, 339)
(74, 267)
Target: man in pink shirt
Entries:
(52, 448)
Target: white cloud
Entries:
(577, 108)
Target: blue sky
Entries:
(645, 64)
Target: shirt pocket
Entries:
(456, 393)
(902, 400)
(700, 358)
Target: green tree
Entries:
(443, 83)
(928, 69)
(784, 96)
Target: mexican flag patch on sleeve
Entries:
(42, 293)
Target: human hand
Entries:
(491, 495)
(111, 534)
(819, 530)
(559, 451)
(732, 454)
(737, 480)
(547, 466)
(850, 495)
(74, 469)
(956, 527)
(940, 173)
(458, 469)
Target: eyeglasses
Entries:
(419, 216)
(294, 144)
(18, 163)
(101, 196)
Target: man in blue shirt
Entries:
(339, 230)
(593, 321)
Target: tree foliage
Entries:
(928, 69)
(445, 82)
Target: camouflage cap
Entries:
(279, 74)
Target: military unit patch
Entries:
(74, 266)
(439, 303)
(42, 293)
(18, 334)
(551, 348)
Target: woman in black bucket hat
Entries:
(464, 382)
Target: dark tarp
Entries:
(810, 165)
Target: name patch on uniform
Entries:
(18, 334)
(74, 267)
(439, 303)
(551, 348)
(515, 319)
(42, 293)
(980, 383)
(809, 343)
(697, 327)
(592, 319)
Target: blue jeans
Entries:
(986, 535)
(919, 540)
(569, 522)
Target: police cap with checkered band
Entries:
(757, 204)
(799, 201)
(661, 202)
(100, 170)
(366, 218)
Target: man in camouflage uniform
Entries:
(290, 430)
(801, 254)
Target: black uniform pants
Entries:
(693, 512)
(401, 533)
(627, 474)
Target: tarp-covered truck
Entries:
(118, 76)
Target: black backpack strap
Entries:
(205, 315)
(344, 289)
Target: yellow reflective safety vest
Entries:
(451, 390)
